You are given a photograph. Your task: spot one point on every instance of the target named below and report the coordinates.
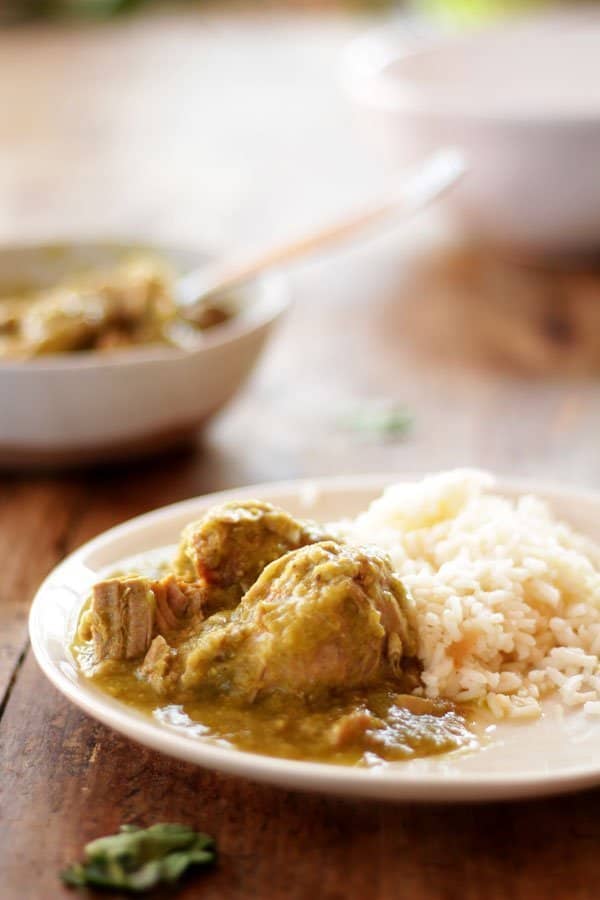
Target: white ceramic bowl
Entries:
(522, 100)
(81, 407)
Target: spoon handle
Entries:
(428, 182)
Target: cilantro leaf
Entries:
(138, 859)
(380, 421)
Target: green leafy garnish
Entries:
(382, 422)
(138, 859)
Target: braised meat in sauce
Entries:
(129, 304)
(273, 637)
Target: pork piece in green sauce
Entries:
(229, 547)
(321, 617)
(318, 659)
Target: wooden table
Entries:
(197, 128)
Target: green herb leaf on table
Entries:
(380, 422)
(139, 859)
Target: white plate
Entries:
(556, 753)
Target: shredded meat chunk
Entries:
(127, 612)
(121, 617)
(351, 728)
(157, 667)
(178, 605)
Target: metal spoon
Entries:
(426, 183)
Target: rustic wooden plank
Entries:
(35, 518)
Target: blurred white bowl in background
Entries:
(88, 406)
(521, 99)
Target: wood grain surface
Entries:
(205, 128)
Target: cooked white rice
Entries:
(507, 598)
